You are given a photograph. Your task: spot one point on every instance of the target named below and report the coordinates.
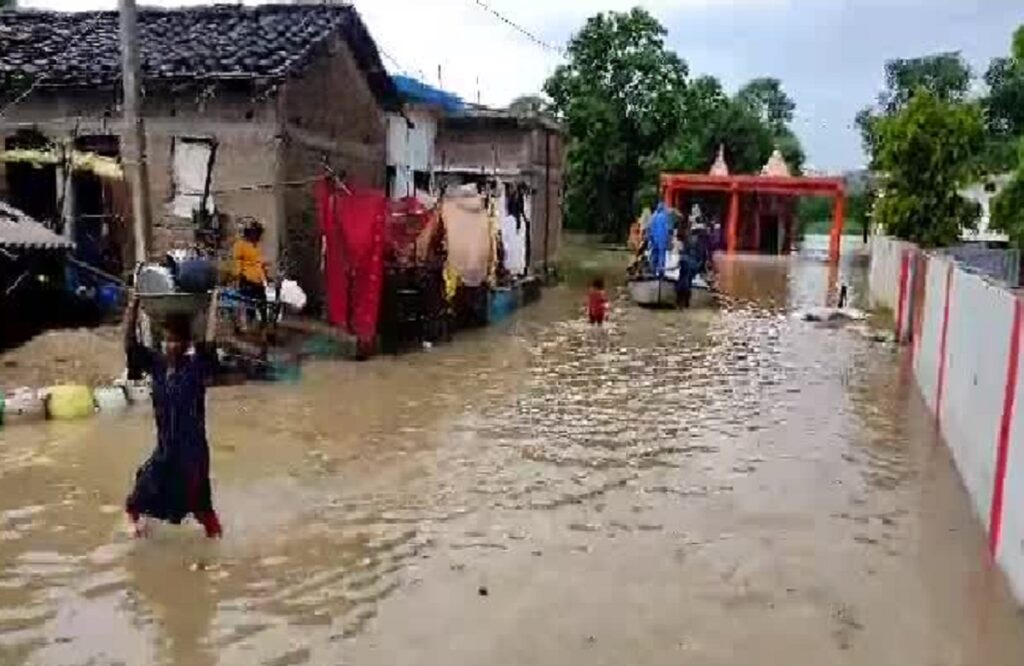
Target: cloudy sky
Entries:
(828, 53)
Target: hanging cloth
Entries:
(469, 231)
(353, 225)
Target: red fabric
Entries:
(333, 266)
(408, 232)
(353, 224)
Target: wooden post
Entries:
(732, 230)
(134, 129)
(835, 242)
(65, 191)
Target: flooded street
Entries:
(709, 487)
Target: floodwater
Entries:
(712, 487)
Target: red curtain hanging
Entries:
(352, 223)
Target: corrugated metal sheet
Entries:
(18, 231)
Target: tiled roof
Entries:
(18, 231)
(210, 43)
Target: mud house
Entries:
(412, 135)
(244, 108)
(515, 149)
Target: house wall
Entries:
(330, 112)
(547, 159)
(483, 148)
(245, 130)
(410, 149)
(268, 149)
(536, 153)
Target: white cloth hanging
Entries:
(513, 238)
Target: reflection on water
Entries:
(729, 432)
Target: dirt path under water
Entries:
(710, 488)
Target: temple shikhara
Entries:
(759, 210)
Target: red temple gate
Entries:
(674, 186)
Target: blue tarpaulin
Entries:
(413, 90)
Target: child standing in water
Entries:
(597, 302)
(175, 480)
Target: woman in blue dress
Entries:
(175, 480)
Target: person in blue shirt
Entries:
(175, 480)
(659, 238)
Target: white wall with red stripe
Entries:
(964, 333)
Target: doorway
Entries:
(770, 235)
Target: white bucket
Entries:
(110, 399)
(138, 392)
(24, 404)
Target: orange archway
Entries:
(673, 185)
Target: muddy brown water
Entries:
(711, 487)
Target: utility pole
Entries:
(134, 129)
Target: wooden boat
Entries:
(653, 292)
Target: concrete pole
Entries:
(135, 130)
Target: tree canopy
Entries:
(946, 76)
(526, 105)
(631, 111)
(619, 96)
(765, 98)
(1008, 206)
(929, 137)
(926, 152)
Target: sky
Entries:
(829, 54)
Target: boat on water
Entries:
(660, 292)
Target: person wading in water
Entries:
(175, 480)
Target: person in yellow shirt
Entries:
(251, 270)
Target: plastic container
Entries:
(138, 392)
(24, 405)
(159, 307)
(154, 279)
(68, 402)
(110, 399)
(196, 276)
(109, 297)
(283, 368)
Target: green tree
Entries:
(743, 128)
(927, 152)
(528, 105)
(1004, 107)
(765, 98)
(945, 75)
(620, 96)
(814, 214)
(1008, 207)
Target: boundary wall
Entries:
(963, 332)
